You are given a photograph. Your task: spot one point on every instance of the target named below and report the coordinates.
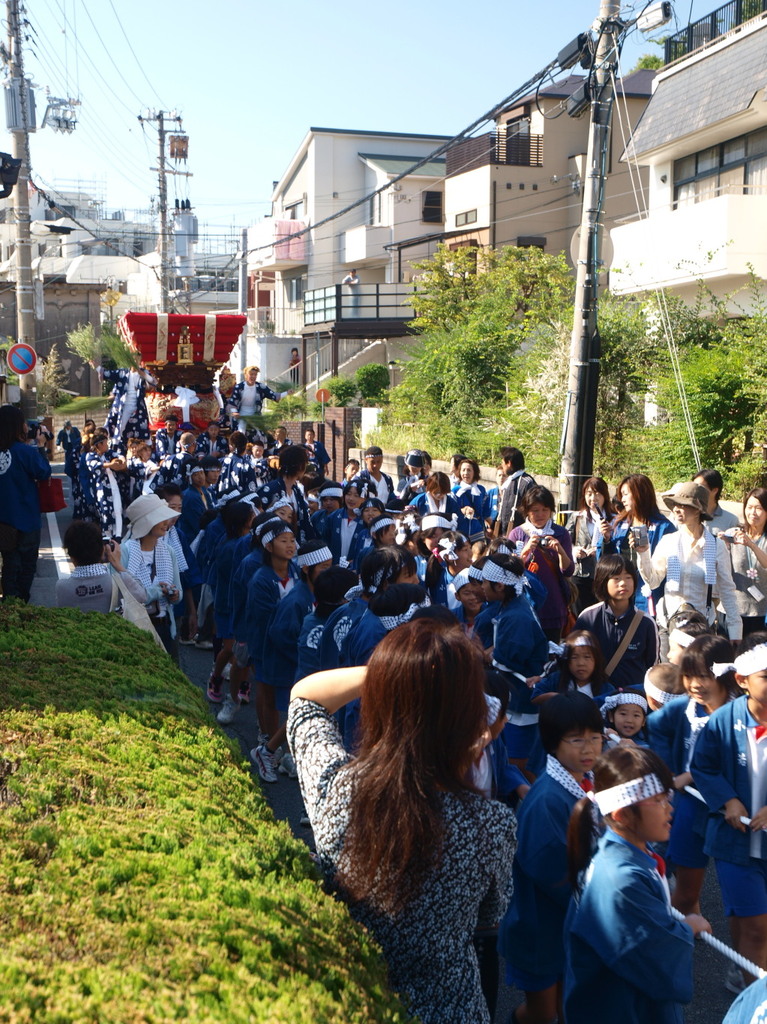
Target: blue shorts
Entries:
(685, 847)
(744, 887)
(224, 627)
(518, 740)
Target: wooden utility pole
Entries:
(25, 296)
(585, 346)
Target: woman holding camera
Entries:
(642, 519)
(694, 564)
(546, 550)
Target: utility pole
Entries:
(585, 347)
(159, 118)
(25, 297)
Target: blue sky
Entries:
(250, 78)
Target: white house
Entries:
(704, 138)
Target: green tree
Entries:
(50, 388)
(648, 62)
(342, 390)
(373, 382)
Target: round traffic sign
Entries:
(322, 395)
(21, 358)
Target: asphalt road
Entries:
(711, 1000)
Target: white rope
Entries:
(720, 947)
(660, 293)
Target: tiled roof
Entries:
(704, 93)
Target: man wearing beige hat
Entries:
(694, 563)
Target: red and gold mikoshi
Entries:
(182, 351)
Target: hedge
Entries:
(143, 878)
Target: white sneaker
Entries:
(228, 712)
(288, 765)
(263, 759)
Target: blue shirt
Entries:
(21, 466)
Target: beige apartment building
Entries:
(521, 183)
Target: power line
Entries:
(138, 62)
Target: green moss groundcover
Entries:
(142, 875)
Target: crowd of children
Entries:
(595, 729)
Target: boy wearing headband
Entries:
(729, 767)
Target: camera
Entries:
(641, 538)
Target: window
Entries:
(294, 290)
(469, 217)
(736, 166)
(295, 211)
(374, 209)
(431, 210)
(531, 242)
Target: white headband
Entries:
(474, 573)
(627, 697)
(433, 520)
(331, 492)
(280, 502)
(381, 524)
(581, 641)
(274, 532)
(493, 708)
(628, 793)
(447, 550)
(461, 579)
(390, 622)
(315, 557)
(656, 694)
(721, 668)
(676, 636)
(494, 573)
(754, 660)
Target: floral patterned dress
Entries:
(428, 947)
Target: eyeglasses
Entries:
(581, 742)
(664, 799)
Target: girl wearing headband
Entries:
(729, 768)
(580, 666)
(520, 649)
(436, 497)
(270, 584)
(684, 627)
(345, 533)
(626, 715)
(450, 555)
(708, 677)
(383, 530)
(627, 958)
(278, 668)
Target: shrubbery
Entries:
(142, 876)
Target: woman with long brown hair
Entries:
(420, 856)
(639, 508)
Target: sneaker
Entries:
(263, 759)
(733, 981)
(227, 671)
(228, 712)
(186, 642)
(215, 684)
(203, 645)
(263, 738)
(244, 696)
(288, 765)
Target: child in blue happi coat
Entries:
(627, 958)
(729, 767)
(531, 933)
(708, 676)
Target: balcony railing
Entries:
(716, 24)
(497, 147)
(358, 302)
(279, 320)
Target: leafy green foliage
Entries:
(372, 380)
(343, 390)
(50, 386)
(144, 877)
